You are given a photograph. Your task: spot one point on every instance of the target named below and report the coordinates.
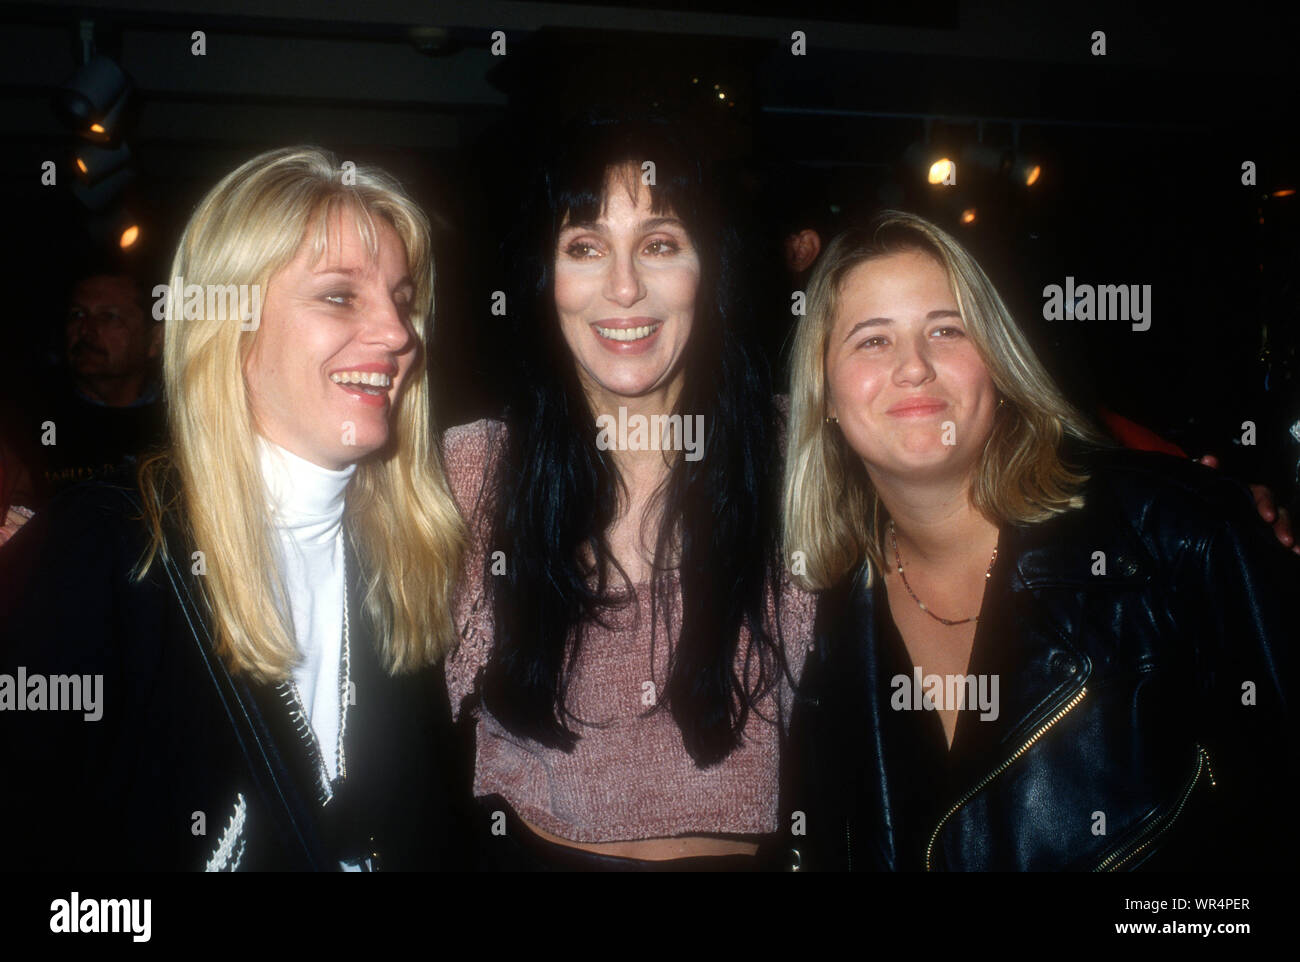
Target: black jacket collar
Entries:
(1042, 592)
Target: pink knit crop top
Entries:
(630, 776)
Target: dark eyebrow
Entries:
(654, 223)
(878, 321)
(645, 227)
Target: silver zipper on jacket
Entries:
(1156, 829)
(1042, 730)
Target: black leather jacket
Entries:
(177, 735)
(1122, 736)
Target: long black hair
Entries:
(557, 494)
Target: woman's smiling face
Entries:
(912, 394)
(329, 325)
(625, 292)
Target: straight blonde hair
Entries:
(399, 510)
(831, 512)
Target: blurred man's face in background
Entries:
(108, 338)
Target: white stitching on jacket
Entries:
(230, 849)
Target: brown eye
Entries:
(662, 247)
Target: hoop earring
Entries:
(830, 420)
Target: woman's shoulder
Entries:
(69, 567)
(468, 453)
(473, 444)
(1148, 485)
(1172, 504)
(82, 514)
(473, 433)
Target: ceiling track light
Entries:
(94, 100)
(102, 174)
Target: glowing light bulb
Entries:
(941, 170)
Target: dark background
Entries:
(1141, 151)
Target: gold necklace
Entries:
(893, 538)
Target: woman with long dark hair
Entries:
(621, 650)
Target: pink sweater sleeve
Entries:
(470, 452)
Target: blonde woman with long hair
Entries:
(256, 629)
(1034, 651)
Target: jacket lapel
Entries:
(1038, 605)
(1025, 646)
(1042, 606)
(860, 693)
(1039, 608)
(867, 683)
(246, 711)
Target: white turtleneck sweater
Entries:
(307, 509)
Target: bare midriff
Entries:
(656, 849)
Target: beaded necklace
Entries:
(893, 539)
